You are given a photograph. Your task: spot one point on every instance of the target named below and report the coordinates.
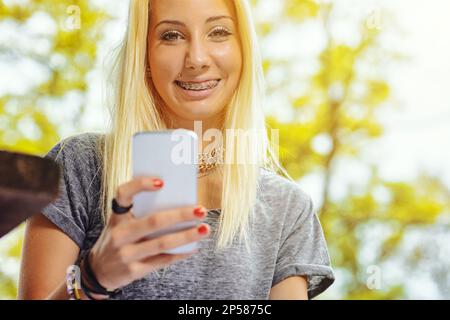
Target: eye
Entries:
(171, 35)
(220, 32)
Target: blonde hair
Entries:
(136, 109)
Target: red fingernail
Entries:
(158, 183)
(199, 212)
(203, 229)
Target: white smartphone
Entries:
(170, 155)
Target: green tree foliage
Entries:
(331, 109)
(74, 29)
(26, 125)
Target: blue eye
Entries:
(171, 35)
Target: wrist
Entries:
(92, 271)
(89, 283)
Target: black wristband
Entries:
(89, 282)
(87, 291)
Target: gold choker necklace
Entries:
(208, 161)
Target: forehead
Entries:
(190, 10)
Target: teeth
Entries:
(198, 86)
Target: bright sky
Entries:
(417, 118)
(418, 133)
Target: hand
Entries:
(122, 254)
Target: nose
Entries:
(197, 57)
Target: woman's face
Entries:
(199, 40)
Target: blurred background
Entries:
(359, 89)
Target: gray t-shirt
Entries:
(286, 236)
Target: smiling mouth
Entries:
(197, 86)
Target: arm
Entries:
(292, 288)
(123, 258)
(46, 254)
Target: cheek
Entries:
(229, 60)
(165, 65)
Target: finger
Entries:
(154, 247)
(137, 229)
(126, 192)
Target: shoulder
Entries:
(77, 209)
(79, 156)
(84, 139)
(276, 188)
(81, 146)
(283, 195)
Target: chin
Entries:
(199, 110)
(198, 114)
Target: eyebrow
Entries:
(179, 23)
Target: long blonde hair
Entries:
(135, 109)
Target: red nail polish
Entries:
(202, 229)
(199, 212)
(158, 183)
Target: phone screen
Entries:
(171, 156)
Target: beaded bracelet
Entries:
(72, 282)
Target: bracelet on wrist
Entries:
(73, 282)
(89, 282)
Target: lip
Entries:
(197, 95)
(199, 80)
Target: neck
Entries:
(200, 127)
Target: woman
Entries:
(181, 62)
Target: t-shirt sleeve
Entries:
(69, 211)
(303, 250)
